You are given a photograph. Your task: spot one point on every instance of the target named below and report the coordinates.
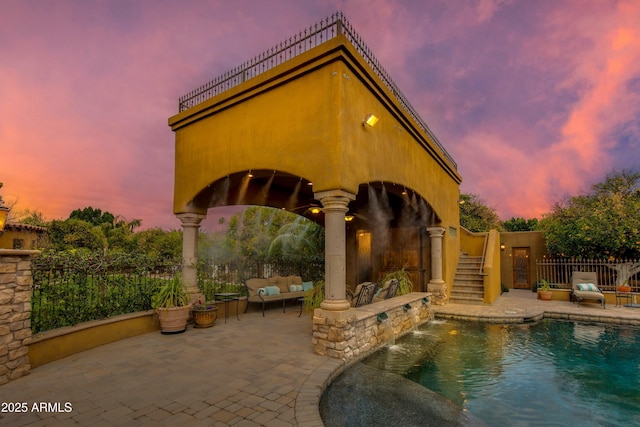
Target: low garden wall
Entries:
(355, 333)
(55, 344)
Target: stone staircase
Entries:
(468, 283)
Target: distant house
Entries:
(21, 236)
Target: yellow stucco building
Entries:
(288, 130)
(21, 236)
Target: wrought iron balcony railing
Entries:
(305, 40)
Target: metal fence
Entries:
(70, 289)
(558, 272)
(310, 268)
(73, 288)
(305, 40)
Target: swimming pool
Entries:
(552, 373)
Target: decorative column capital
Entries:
(436, 231)
(189, 219)
(335, 200)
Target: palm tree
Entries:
(298, 238)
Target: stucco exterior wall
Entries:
(307, 121)
(533, 240)
(472, 243)
(28, 235)
(305, 118)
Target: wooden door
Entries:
(521, 273)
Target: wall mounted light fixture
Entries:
(370, 120)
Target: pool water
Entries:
(552, 373)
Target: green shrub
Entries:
(314, 297)
(405, 283)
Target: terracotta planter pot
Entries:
(205, 318)
(545, 295)
(173, 320)
(624, 288)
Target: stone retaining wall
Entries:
(357, 332)
(15, 313)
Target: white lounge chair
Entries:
(584, 287)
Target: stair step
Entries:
(467, 287)
(469, 270)
(467, 294)
(461, 277)
(468, 283)
(467, 261)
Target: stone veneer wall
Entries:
(357, 332)
(15, 313)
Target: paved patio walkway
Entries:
(252, 372)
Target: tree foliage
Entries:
(93, 216)
(521, 224)
(261, 232)
(91, 229)
(604, 223)
(476, 216)
(30, 217)
(298, 238)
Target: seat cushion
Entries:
(294, 280)
(588, 295)
(254, 284)
(280, 282)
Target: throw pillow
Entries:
(306, 286)
(272, 290)
(295, 288)
(588, 287)
(261, 291)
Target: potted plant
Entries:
(172, 305)
(205, 314)
(624, 288)
(544, 291)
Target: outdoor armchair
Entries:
(365, 296)
(389, 290)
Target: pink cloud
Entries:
(86, 90)
(599, 69)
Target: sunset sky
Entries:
(536, 100)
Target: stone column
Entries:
(335, 205)
(190, 226)
(437, 285)
(15, 313)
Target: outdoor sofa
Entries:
(275, 289)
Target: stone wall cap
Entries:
(18, 252)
